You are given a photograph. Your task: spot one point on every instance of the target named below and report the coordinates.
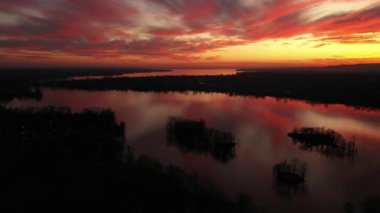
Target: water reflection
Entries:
(261, 127)
(194, 136)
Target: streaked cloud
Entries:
(178, 30)
(333, 8)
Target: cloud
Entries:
(335, 8)
(157, 28)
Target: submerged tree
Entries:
(194, 136)
(289, 178)
(327, 142)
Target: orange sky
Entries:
(177, 33)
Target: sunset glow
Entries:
(186, 33)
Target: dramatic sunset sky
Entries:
(167, 33)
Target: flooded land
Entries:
(180, 145)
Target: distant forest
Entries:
(358, 87)
(21, 82)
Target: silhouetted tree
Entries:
(289, 178)
(325, 141)
(194, 136)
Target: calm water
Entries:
(174, 72)
(261, 126)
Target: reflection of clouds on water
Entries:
(344, 124)
(148, 116)
(260, 125)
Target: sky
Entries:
(189, 33)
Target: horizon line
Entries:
(287, 66)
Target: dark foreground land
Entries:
(357, 86)
(57, 160)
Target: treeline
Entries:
(21, 82)
(195, 137)
(58, 160)
(60, 73)
(20, 89)
(354, 88)
(57, 133)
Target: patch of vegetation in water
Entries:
(194, 136)
(289, 178)
(327, 142)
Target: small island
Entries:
(290, 178)
(325, 141)
(194, 136)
